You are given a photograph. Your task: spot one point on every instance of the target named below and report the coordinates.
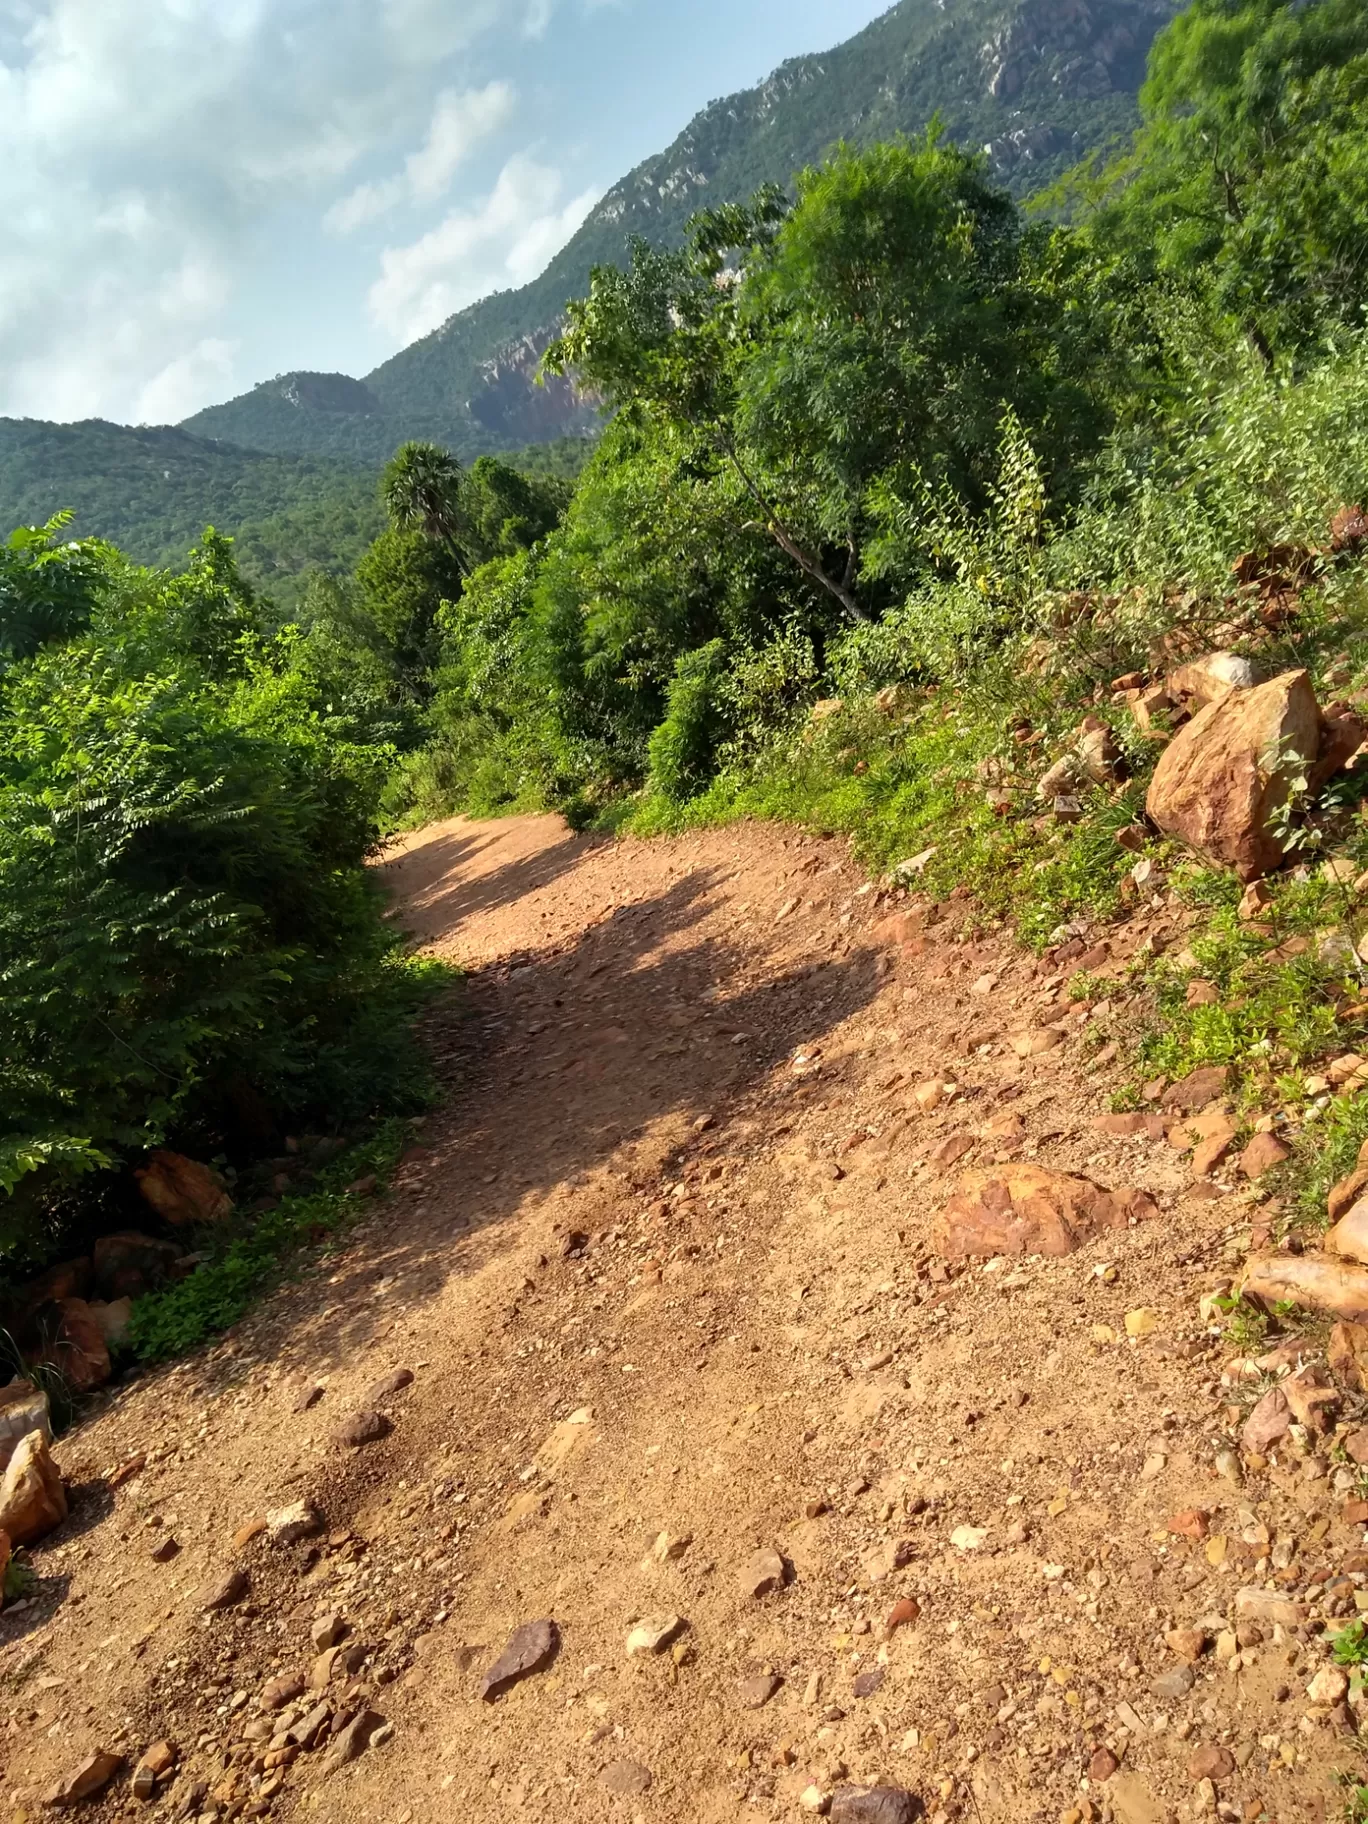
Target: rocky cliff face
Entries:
(509, 401)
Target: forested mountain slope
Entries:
(1038, 83)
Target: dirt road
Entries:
(662, 1271)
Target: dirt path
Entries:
(663, 1265)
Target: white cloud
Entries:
(459, 123)
(183, 384)
(505, 241)
(151, 149)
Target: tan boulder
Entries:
(1349, 1237)
(1347, 1353)
(23, 1408)
(182, 1190)
(1318, 1282)
(1222, 777)
(1207, 680)
(32, 1499)
(1025, 1209)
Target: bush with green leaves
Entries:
(190, 947)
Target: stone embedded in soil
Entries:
(1329, 1686)
(288, 1525)
(1190, 1524)
(1267, 1606)
(1102, 1765)
(388, 1385)
(866, 1684)
(278, 1692)
(1188, 1644)
(1211, 1762)
(1033, 1044)
(628, 1779)
(354, 1739)
(756, 1691)
(530, 1648)
(765, 1572)
(874, 1805)
(1320, 1282)
(1172, 1685)
(1026, 1209)
(1214, 787)
(165, 1550)
(33, 1501)
(327, 1630)
(1197, 1090)
(307, 1398)
(1312, 1398)
(366, 1427)
(902, 1615)
(90, 1778)
(1262, 1154)
(152, 1769)
(1270, 1421)
(229, 1589)
(668, 1547)
(652, 1634)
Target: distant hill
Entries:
(1037, 83)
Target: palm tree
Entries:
(422, 489)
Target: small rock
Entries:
(152, 1770)
(1262, 1154)
(249, 1530)
(1258, 1605)
(668, 1547)
(626, 1778)
(1270, 1421)
(92, 1776)
(280, 1691)
(1211, 1763)
(873, 1805)
(1197, 1090)
(765, 1572)
(1170, 1686)
(1329, 1686)
(165, 1550)
(756, 1691)
(288, 1525)
(229, 1589)
(388, 1385)
(1102, 1765)
(307, 1398)
(362, 1428)
(530, 1649)
(1190, 1524)
(354, 1739)
(813, 1799)
(865, 1684)
(652, 1634)
(1188, 1644)
(902, 1615)
(327, 1631)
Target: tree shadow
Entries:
(459, 871)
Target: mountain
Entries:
(1037, 83)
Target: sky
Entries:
(201, 194)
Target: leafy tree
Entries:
(401, 583)
(48, 587)
(1249, 178)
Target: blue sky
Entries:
(199, 194)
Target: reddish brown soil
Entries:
(664, 1264)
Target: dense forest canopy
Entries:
(884, 433)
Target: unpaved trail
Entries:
(663, 1264)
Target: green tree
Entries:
(49, 587)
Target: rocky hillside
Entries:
(1037, 83)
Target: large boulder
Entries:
(127, 1263)
(32, 1499)
(1221, 779)
(1349, 1237)
(182, 1191)
(80, 1353)
(1318, 1282)
(23, 1408)
(1025, 1209)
